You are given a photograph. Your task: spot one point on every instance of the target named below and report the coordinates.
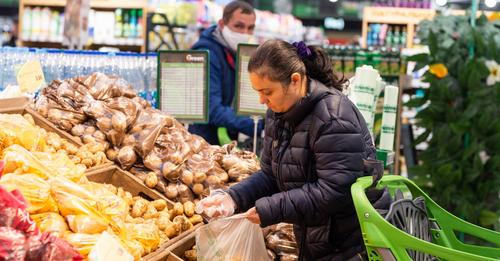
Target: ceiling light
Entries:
(441, 2)
(490, 3)
(334, 1)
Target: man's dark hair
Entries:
(230, 8)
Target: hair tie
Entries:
(302, 50)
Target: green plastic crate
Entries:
(384, 241)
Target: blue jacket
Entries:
(222, 90)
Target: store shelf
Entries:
(103, 4)
(408, 17)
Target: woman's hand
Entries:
(218, 204)
(253, 216)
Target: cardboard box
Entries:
(49, 126)
(120, 178)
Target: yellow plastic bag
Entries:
(83, 243)
(34, 189)
(134, 248)
(51, 223)
(18, 159)
(62, 184)
(146, 234)
(17, 130)
(61, 165)
(85, 224)
(107, 202)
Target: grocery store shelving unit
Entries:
(409, 17)
(94, 4)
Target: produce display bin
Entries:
(384, 241)
(49, 126)
(176, 251)
(120, 178)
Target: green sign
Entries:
(183, 85)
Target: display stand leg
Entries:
(255, 129)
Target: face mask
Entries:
(234, 38)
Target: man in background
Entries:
(221, 40)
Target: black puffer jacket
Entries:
(312, 155)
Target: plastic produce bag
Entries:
(34, 189)
(51, 223)
(18, 130)
(231, 238)
(19, 159)
(85, 224)
(82, 242)
(146, 234)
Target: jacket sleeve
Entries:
(339, 149)
(258, 185)
(219, 114)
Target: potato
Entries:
(223, 176)
(163, 222)
(78, 130)
(140, 206)
(74, 159)
(198, 188)
(128, 198)
(195, 219)
(213, 181)
(119, 121)
(184, 221)
(187, 177)
(89, 130)
(29, 118)
(160, 204)
(189, 208)
(170, 171)
(151, 212)
(190, 255)
(173, 229)
(111, 154)
(104, 124)
(129, 140)
(88, 138)
(95, 147)
(199, 177)
(87, 162)
(62, 151)
(177, 210)
(185, 194)
(151, 180)
(171, 192)
(100, 158)
(163, 238)
(111, 188)
(129, 219)
(126, 157)
(137, 128)
(153, 162)
(99, 135)
(71, 148)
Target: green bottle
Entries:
(385, 58)
(361, 57)
(349, 58)
(395, 62)
(336, 59)
(376, 59)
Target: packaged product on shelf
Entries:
(280, 242)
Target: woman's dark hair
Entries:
(278, 60)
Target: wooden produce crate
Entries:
(176, 250)
(9, 103)
(120, 178)
(49, 126)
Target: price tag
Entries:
(30, 77)
(183, 84)
(247, 102)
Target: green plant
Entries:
(460, 112)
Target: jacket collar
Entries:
(316, 92)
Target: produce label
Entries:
(247, 98)
(30, 77)
(183, 84)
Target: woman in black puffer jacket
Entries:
(314, 146)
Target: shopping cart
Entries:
(385, 241)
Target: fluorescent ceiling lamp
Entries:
(490, 3)
(334, 1)
(441, 2)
